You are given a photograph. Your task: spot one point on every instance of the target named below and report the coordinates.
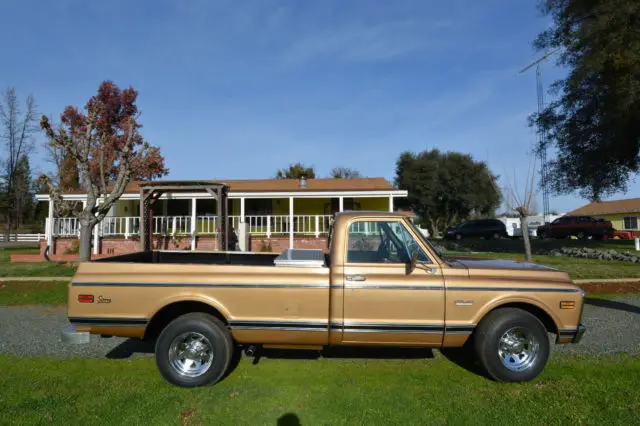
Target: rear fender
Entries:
(189, 297)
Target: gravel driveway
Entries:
(612, 326)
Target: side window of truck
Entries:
(381, 242)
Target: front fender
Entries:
(512, 298)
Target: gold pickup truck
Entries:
(381, 283)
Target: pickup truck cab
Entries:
(380, 284)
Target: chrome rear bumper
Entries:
(72, 336)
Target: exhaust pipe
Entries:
(250, 350)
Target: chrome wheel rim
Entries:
(191, 354)
(518, 349)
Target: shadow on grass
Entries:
(129, 347)
(460, 356)
(289, 419)
(463, 357)
(613, 304)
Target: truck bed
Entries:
(287, 258)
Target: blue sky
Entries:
(234, 89)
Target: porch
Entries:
(275, 220)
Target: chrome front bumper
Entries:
(579, 333)
(72, 336)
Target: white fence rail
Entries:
(25, 238)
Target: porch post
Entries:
(84, 206)
(290, 222)
(391, 203)
(96, 235)
(341, 203)
(50, 227)
(193, 223)
(242, 210)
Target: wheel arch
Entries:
(542, 313)
(173, 309)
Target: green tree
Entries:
(296, 171)
(446, 187)
(594, 122)
(344, 173)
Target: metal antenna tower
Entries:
(542, 136)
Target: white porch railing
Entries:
(267, 225)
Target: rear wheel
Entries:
(194, 350)
(496, 236)
(458, 237)
(512, 345)
(581, 235)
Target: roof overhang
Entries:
(295, 194)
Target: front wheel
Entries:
(194, 350)
(512, 345)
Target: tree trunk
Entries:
(84, 253)
(7, 226)
(525, 237)
(435, 232)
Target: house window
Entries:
(258, 206)
(630, 223)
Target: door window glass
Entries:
(382, 242)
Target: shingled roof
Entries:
(630, 205)
(289, 185)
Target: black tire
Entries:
(581, 235)
(458, 237)
(542, 235)
(487, 341)
(217, 335)
(496, 236)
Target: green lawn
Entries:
(33, 292)
(324, 391)
(577, 268)
(31, 269)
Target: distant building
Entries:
(623, 214)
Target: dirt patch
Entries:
(612, 288)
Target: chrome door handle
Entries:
(356, 278)
(431, 271)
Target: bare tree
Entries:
(17, 129)
(344, 173)
(521, 203)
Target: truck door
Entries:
(383, 301)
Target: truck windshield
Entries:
(426, 241)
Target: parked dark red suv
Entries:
(579, 226)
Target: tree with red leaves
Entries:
(105, 142)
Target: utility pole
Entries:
(542, 136)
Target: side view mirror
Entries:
(413, 262)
